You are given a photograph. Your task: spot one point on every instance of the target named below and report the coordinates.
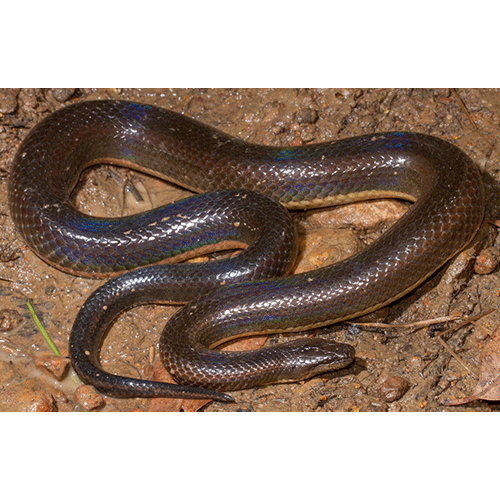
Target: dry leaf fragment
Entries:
(488, 387)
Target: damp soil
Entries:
(396, 369)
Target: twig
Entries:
(469, 117)
(427, 322)
(465, 322)
(416, 324)
(456, 357)
(439, 338)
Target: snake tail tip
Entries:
(224, 398)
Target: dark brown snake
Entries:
(442, 181)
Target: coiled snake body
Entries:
(441, 180)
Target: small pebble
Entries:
(307, 115)
(89, 398)
(393, 388)
(487, 261)
(415, 363)
(62, 95)
(56, 366)
(9, 319)
(8, 101)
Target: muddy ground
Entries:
(395, 369)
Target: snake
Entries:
(243, 194)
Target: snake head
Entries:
(314, 356)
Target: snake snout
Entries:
(317, 355)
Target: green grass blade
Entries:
(46, 336)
